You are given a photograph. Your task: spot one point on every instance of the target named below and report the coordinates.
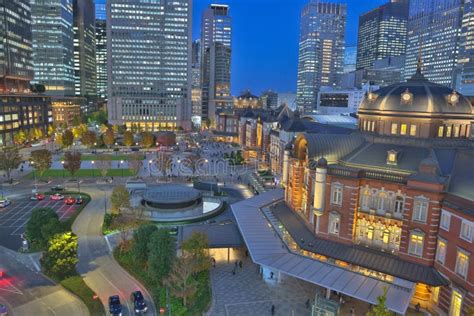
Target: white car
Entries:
(5, 203)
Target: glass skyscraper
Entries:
(101, 49)
(321, 49)
(149, 63)
(434, 28)
(53, 45)
(382, 33)
(465, 70)
(216, 54)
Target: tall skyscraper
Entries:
(321, 49)
(434, 27)
(149, 63)
(101, 49)
(382, 33)
(53, 45)
(216, 51)
(196, 81)
(350, 58)
(465, 69)
(84, 48)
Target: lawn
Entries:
(196, 306)
(96, 157)
(77, 286)
(59, 173)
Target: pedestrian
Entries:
(271, 275)
(352, 311)
(233, 271)
(341, 300)
(307, 303)
(246, 253)
(273, 309)
(240, 264)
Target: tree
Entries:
(141, 238)
(109, 137)
(60, 259)
(135, 162)
(148, 139)
(120, 198)
(41, 160)
(116, 128)
(42, 225)
(128, 138)
(162, 252)
(58, 139)
(72, 162)
(20, 137)
(67, 139)
(197, 247)
(51, 130)
(10, 159)
(381, 308)
(179, 280)
(103, 163)
(89, 138)
(79, 130)
(97, 118)
(76, 121)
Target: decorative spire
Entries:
(418, 76)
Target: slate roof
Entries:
(361, 256)
(332, 146)
(462, 178)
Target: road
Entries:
(99, 270)
(27, 292)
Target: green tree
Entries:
(381, 308)
(119, 198)
(128, 138)
(89, 138)
(51, 130)
(72, 162)
(141, 238)
(67, 139)
(180, 279)
(10, 159)
(20, 137)
(60, 259)
(148, 139)
(197, 247)
(162, 253)
(98, 118)
(41, 160)
(109, 137)
(42, 225)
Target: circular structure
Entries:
(178, 203)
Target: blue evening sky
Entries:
(265, 40)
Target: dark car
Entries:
(79, 200)
(57, 188)
(139, 304)
(115, 307)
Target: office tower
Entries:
(149, 63)
(20, 108)
(465, 69)
(433, 31)
(84, 48)
(196, 80)
(321, 49)
(216, 49)
(350, 58)
(53, 46)
(382, 33)
(269, 99)
(101, 49)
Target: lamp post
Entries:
(121, 167)
(149, 166)
(179, 161)
(93, 173)
(34, 175)
(62, 163)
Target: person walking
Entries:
(240, 264)
(273, 309)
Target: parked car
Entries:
(79, 200)
(5, 203)
(115, 307)
(57, 188)
(3, 310)
(37, 197)
(70, 200)
(139, 304)
(57, 197)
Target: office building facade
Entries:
(382, 33)
(101, 58)
(321, 49)
(465, 67)
(149, 63)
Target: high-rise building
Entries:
(20, 108)
(465, 70)
(196, 80)
(216, 49)
(433, 32)
(350, 58)
(84, 48)
(53, 46)
(382, 33)
(149, 63)
(321, 49)
(101, 49)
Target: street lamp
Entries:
(149, 166)
(93, 173)
(62, 163)
(179, 161)
(121, 163)
(34, 175)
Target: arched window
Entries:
(383, 201)
(370, 232)
(365, 199)
(386, 236)
(399, 204)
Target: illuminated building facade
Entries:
(65, 110)
(321, 49)
(53, 45)
(101, 50)
(149, 63)
(465, 69)
(247, 100)
(382, 33)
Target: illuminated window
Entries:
(456, 131)
(416, 243)
(394, 128)
(412, 130)
(456, 303)
(334, 223)
(441, 131)
(462, 263)
(448, 131)
(392, 157)
(420, 210)
(441, 251)
(435, 294)
(370, 233)
(403, 129)
(386, 236)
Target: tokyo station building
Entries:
(393, 201)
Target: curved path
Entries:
(99, 270)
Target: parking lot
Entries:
(14, 217)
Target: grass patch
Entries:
(77, 286)
(96, 157)
(196, 306)
(59, 173)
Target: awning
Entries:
(267, 248)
